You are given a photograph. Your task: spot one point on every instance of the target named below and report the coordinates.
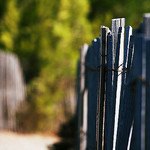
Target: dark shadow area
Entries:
(67, 133)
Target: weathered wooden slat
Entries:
(113, 100)
(82, 100)
(108, 90)
(118, 91)
(92, 63)
(77, 125)
(102, 84)
(121, 108)
(147, 107)
(130, 56)
(137, 93)
(125, 121)
(145, 115)
(127, 44)
(118, 40)
(146, 25)
(129, 111)
(115, 28)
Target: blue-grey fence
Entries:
(114, 89)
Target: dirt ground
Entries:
(14, 141)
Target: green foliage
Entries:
(9, 18)
(49, 36)
(102, 11)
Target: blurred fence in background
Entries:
(12, 90)
(114, 89)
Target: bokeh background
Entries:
(46, 36)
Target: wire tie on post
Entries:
(103, 55)
(93, 68)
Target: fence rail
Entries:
(114, 89)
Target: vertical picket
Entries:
(108, 90)
(118, 38)
(113, 99)
(127, 45)
(122, 107)
(115, 28)
(82, 121)
(101, 94)
(77, 146)
(85, 94)
(129, 111)
(122, 22)
(92, 63)
(137, 93)
(146, 104)
(125, 112)
(147, 107)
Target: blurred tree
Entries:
(102, 11)
(3, 6)
(49, 35)
(9, 18)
